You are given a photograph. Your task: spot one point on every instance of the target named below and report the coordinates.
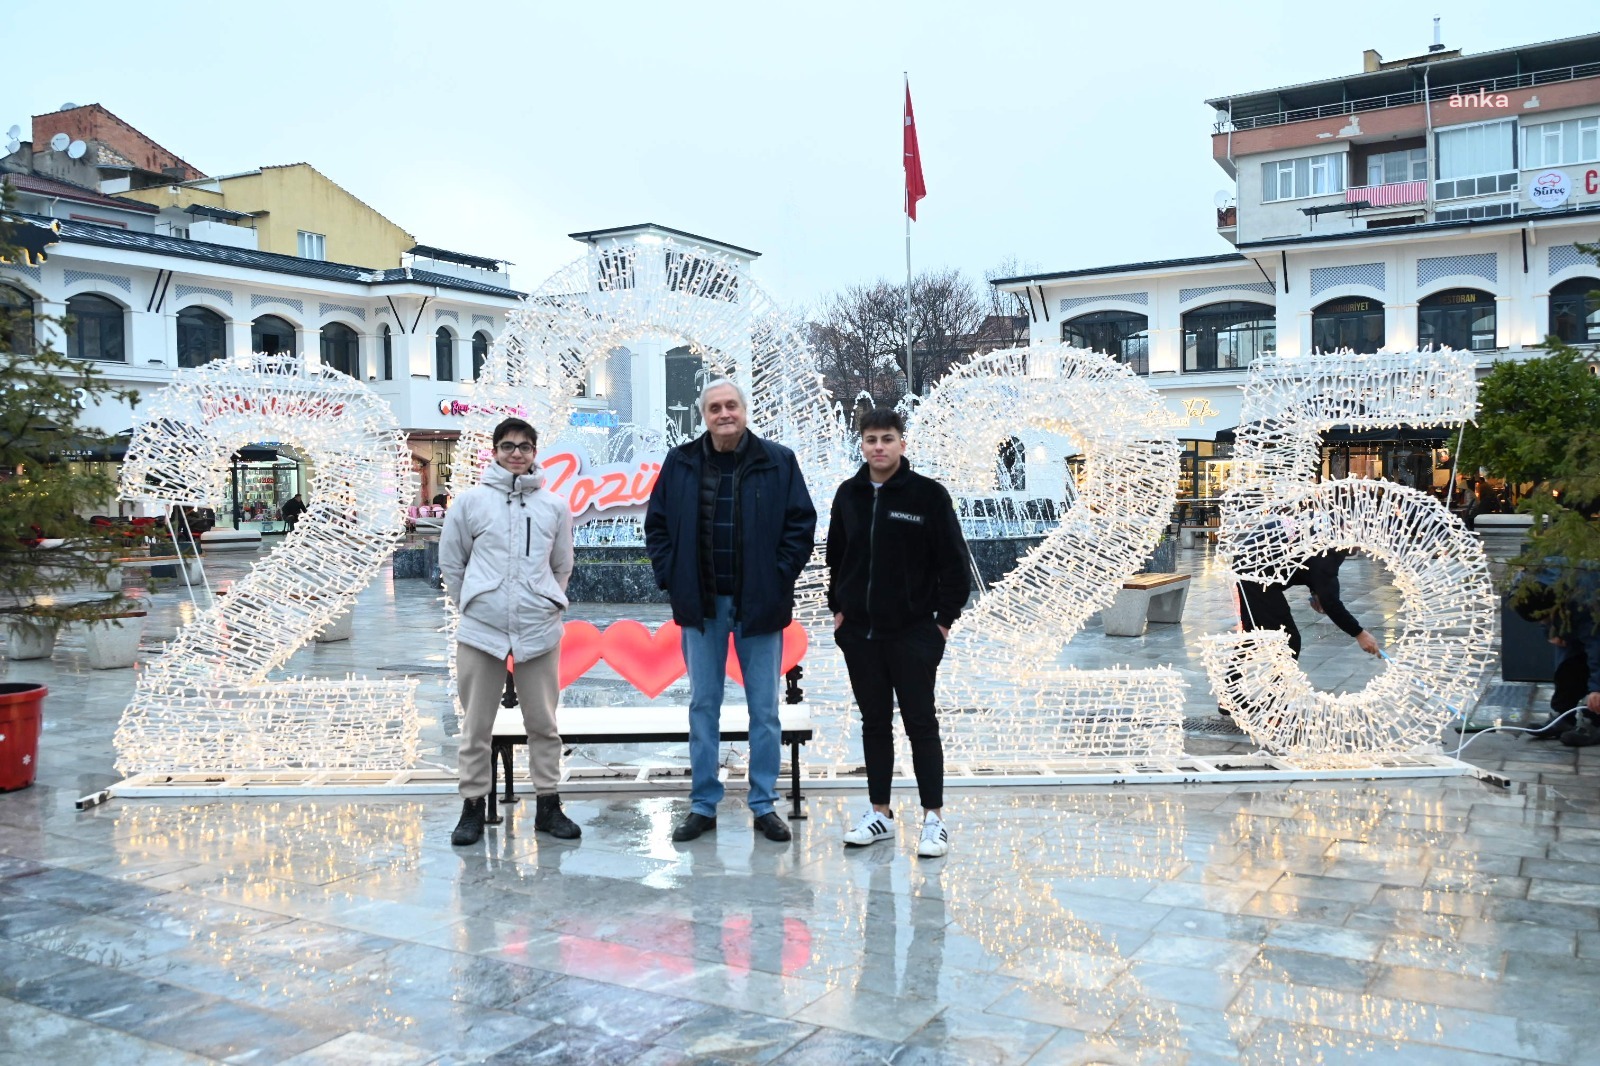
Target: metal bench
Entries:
(636, 725)
(1146, 597)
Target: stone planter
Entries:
(29, 639)
(341, 628)
(113, 643)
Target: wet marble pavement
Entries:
(1443, 921)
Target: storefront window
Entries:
(1119, 334)
(340, 349)
(1575, 311)
(1228, 336)
(201, 333)
(1356, 324)
(1463, 319)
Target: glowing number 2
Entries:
(206, 702)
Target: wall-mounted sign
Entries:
(1196, 410)
(1549, 189)
(620, 487)
(595, 419)
(461, 407)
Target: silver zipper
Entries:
(872, 556)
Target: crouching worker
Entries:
(506, 556)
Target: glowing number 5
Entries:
(1274, 518)
(206, 702)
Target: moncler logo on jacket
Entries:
(907, 516)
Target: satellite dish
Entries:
(15, 133)
(12, 145)
(76, 149)
(1222, 199)
(60, 141)
(68, 106)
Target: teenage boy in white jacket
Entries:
(506, 556)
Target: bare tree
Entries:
(1007, 323)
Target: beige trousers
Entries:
(480, 682)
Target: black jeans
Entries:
(903, 666)
(1266, 607)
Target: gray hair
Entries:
(717, 383)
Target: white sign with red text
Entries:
(618, 488)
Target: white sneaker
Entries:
(935, 839)
(872, 828)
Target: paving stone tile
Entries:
(973, 1036)
(360, 1049)
(734, 1036)
(1287, 966)
(33, 1035)
(868, 1014)
(236, 1033)
(829, 1047)
(611, 1010)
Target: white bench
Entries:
(189, 563)
(1146, 597)
(222, 539)
(638, 725)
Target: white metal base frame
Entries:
(1185, 770)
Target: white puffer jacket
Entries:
(506, 557)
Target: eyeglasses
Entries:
(507, 447)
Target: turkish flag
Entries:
(916, 188)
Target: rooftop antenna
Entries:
(1438, 43)
(76, 149)
(68, 106)
(1222, 199)
(60, 142)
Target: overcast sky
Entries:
(1062, 135)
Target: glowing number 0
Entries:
(205, 703)
(1274, 518)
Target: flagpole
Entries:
(911, 386)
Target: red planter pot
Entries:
(21, 712)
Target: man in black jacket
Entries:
(897, 580)
(1266, 606)
(729, 527)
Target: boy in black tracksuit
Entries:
(897, 580)
(1266, 606)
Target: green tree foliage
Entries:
(1539, 429)
(43, 494)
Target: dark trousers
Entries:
(1571, 678)
(902, 667)
(1266, 607)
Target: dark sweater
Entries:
(896, 556)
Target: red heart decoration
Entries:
(795, 642)
(580, 649)
(649, 662)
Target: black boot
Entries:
(470, 829)
(548, 817)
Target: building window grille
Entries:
(95, 329)
(1123, 335)
(201, 336)
(1463, 319)
(1353, 323)
(1228, 336)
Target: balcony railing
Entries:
(1392, 195)
(1436, 92)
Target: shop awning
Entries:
(1432, 435)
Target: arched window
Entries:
(1353, 322)
(1011, 466)
(444, 355)
(388, 352)
(340, 349)
(685, 374)
(201, 336)
(480, 353)
(1575, 311)
(95, 329)
(271, 335)
(1228, 336)
(1462, 319)
(1119, 334)
(16, 325)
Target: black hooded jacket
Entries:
(896, 556)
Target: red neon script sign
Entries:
(603, 488)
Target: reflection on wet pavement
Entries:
(1435, 921)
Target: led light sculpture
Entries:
(1275, 516)
(1000, 659)
(206, 702)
